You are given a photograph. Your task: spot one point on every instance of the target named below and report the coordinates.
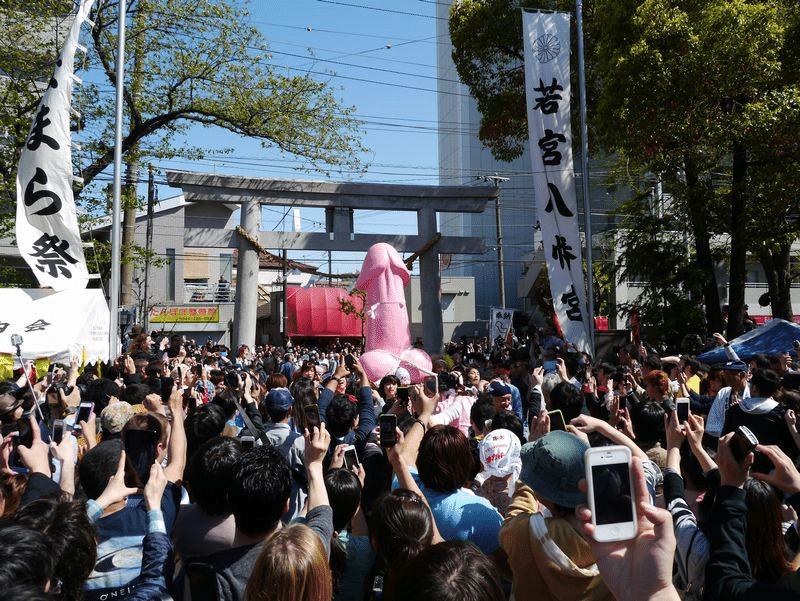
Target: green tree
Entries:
(702, 93)
(202, 64)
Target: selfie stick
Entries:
(16, 340)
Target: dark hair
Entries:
(653, 362)
(482, 410)
(276, 381)
(12, 487)
(25, 557)
(451, 571)
(761, 360)
(340, 415)
(136, 393)
(344, 494)
(509, 420)
(71, 539)
(387, 379)
(568, 399)
(401, 525)
(765, 381)
(444, 459)
(210, 473)
(260, 488)
(764, 540)
(226, 400)
(202, 424)
(304, 393)
(98, 392)
(648, 422)
(98, 465)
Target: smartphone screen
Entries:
(431, 385)
(312, 417)
(682, 408)
(388, 436)
(167, 384)
(140, 454)
(84, 411)
(611, 488)
(58, 431)
(550, 365)
(557, 420)
(248, 442)
(402, 394)
(350, 457)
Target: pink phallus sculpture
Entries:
(388, 345)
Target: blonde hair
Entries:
(292, 566)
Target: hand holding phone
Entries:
(682, 408)
(387, 425)
(610, 493)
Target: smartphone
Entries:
(349, 361)
(350, 457)
(9, 429)
(248, 442)
(682, 407)
(557, 420)
(58, 431)
(84, 411)
(140, 454)
(742, 442)
(312, 417)
(623, 401)
(550, 365)
(610, 493)
(167, 385)
(402, 394)
(387, 426)
(430, 385)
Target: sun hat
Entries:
(553, 465)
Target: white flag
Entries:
(47, 224)
(548, 93)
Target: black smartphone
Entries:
(167, 385)
(84, 411)
(58, 431)
(388, 424)
(402, 394)
(349, 361)
(9, 428)
(248, 442)
(430, 385)
(742, 442)
(312, 417)
(557, 420)
(140, 454)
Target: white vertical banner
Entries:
(501, 325)
(548, 95)
(47, 223)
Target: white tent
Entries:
(55, 325)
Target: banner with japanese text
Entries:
(55, 325)
(501, 325)
(47, 224)
(548, 95)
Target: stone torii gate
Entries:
(339, 200)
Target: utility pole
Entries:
(501, 270)
(151, 201)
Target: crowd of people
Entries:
(189, 471)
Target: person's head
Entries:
(12, 486)
(25, 557)
(764, 382)
(648, 423)
(277, 405)
(651, 363)
(764, 540)
(344, 495)
(735, 374)
(99, 392)
(388, 386)
(656, 384)
(450, 571)
(501, 394)
(472, 376)
(400, 526)
(482, 411)
(98, 465)
(508, 420)
(552, 466)
(226, 400)
(566, 398)
(341, 416)
(203, 423)
(276, 381)
(71, 540)
(292, 566)
(444, 460)
(210, 474)
(259, 491)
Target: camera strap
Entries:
(254, 432)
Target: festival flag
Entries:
(47, 224)
(548, 95)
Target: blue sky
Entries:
(379, 56)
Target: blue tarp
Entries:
(775, 336)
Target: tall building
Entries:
(463, 160)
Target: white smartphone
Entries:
(350, 457)
(682, 407)
(610, 493)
